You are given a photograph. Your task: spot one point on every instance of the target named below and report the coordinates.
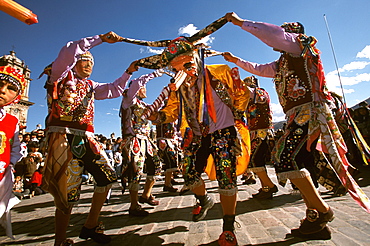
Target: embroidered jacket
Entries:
(71, 99)
(229, 108)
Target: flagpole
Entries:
(335, 59)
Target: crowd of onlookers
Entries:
(28, 171)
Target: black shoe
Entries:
(201, 208)
(265, 193)
(315, 221)
(96, 234)
(138, 212)
(169, 188)
(324, 234)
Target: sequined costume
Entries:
(301, 87)
(137, 144)
(213, 138)
(70, 130)
(259, 118)
(168, 148)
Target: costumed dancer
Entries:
(214, 133)
(12, 85)
(300, 84)
(211, 105)
(259, 117)
(72, 147)
(167, 143)
(138, 146)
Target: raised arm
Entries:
(272, 35)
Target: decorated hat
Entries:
(87, 56)
(13, 76)
(175, 47)
(293, 27)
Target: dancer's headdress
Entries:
(294, 27)
(13, 76)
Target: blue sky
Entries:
(63, 21)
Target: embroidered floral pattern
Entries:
(74, 180)
(76, 101)
(294, 89)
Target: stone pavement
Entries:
(262, 223)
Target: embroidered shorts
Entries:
(168, 153)
(63, 171)
(97, 165)
(259, 152)
(291, 153)
(140, 164)
(220, 145)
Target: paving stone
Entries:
(262, 222)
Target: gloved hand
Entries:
(158, 72)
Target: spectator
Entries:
(24, 150)
(34, 137)
(117, 144)
(27, 166)
(118, 159)
(33, 147)
(109, 152)
(18, 188)
(26, 138)
(36, 182)
(103, 142)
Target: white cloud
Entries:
(151, 50)
(350, 74)
(190, 30)
(365, 53)
(354, 66)
(333, 83)
(278, 113)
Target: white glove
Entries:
(158, 72)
